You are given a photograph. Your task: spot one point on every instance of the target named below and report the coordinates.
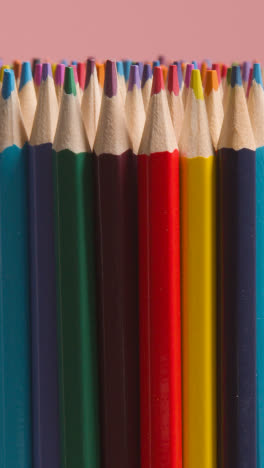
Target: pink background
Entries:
(140, 30)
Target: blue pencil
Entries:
(256, 113)
(15, 393)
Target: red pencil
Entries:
(159, 285)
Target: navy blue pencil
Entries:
(237, 296)
(45, 405)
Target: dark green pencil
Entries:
(73, 167)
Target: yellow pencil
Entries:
(198, 200)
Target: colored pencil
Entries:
(195, 65)
(203, 72)
(53, 68)
(249, 81)
(27, 96)
(214, 106)
(59, 80)
(223, 77)
(77, 86)
(101, 75)
(155, 63)
(187, 80)
(175, 100)
(127, 64)
(245, 74)
(37, 77)
(227, 89)
(45, 404)
(15, 367)
(159, 286)
(146, 84)
(198, 257)
(117, 281)
(162, 59)
(121, 79)
(140, 69)
(76, 293)
(256, 114)
(3, 68)
(35, 61)
(237, 303)
(183, 67)
(91, 102)
(216, 67)
(180, 78)
(81, 73)
(135, 113)
(17, 66)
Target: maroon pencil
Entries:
(117, 280)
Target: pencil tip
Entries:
(155, 63)
(69, 81)
(8, 83)
(17, 68)
(75, 73)
(246, 70)
(188, 73)
(90, 67)
(216, 67)
(195, 65)
(26, 74)
(211, 82)
(59, 74)
(3, 68)
(196, 84)
(223, 71)
(134, 78)
(173, 82)
(228, 75)
(81, 72)
(120, 68)
(46, 71)
(37, 74)
(179, 69)
(236, 76)
(256, 74)
(127, 64)
(140, 68)
(110, 84)
(158, 82)
(146, 75)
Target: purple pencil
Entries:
(45, 407)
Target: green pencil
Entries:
(76, 285)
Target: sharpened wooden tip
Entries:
(196, 84)
(158, 82)
(69, 81)
(211, 82)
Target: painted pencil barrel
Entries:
(160, 321)
(237, 308)
(76, 310)
(260, 302)
(118, 309)
(45, 401)
(15, 391)
(198, 257)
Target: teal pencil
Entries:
(256, 113)
(15, 385)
